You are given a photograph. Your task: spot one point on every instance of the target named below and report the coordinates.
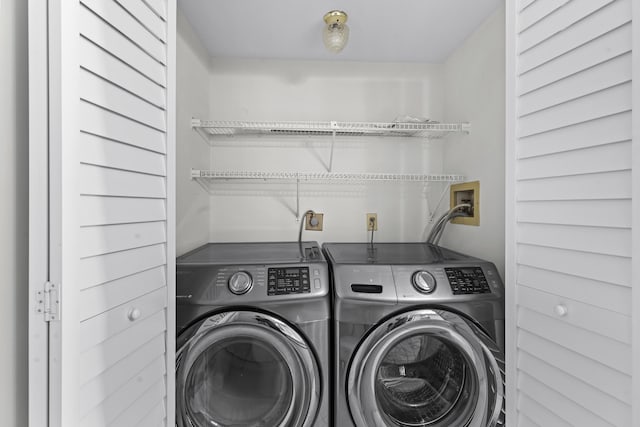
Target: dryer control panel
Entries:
(467, 280)
(288, 280)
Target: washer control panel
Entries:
(467, 280)
(288, 280)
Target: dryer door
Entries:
(245, 368)
(427, 368)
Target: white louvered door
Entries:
(110, 100)
(570, 228)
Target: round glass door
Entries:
(245, 369)
(422, 379)
(421, 369)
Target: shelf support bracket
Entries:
(432, 214)
(334, 126)
(297, 196)
(196, 124)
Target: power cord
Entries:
(313, 221)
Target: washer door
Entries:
(427, 368)
(245, 368)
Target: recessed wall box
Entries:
(313, 221)
(466, 192)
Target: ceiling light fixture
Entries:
(336, 32)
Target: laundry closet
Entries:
(265, 91)
(178, 148)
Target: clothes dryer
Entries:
(419, 337)
(253, 336)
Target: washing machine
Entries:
(253, 339)
(418, 337)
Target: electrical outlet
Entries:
(372, 222)
(313, 222)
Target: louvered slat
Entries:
(592, 186)
(103, 326)
(602, 131)
(159, 7)
(121, 20)
(612, 269)
(579, 162)
(567, 15)
(607, 241)
(590, 107)
(114, 42)
(98, 299)
(105, 152)
(100, 181)
(588, 370)
(107, 124)
(120, 210)
(139, 391)
(610, 45)
(101, 269)
(537, 11)
(599, 77)
(602, 406)
(137, 412)
(596, 25)
(559, 404)
(120, 237)
(98, 389)
(101, 357)
(611, 353)
(594, 319)
(107, 66)
(102, 93)
(147, 17)
(532, 410)
(155, 417)
(599, 294)
(594, 213)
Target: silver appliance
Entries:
(418, 337)
(253, 340)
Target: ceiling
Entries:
(424, 31)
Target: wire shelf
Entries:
(217, 129)
(323, 176)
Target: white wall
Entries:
(192, 211)
(468, 87)
(474, 78)
(323, 91)
(13, 211)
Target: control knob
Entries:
(240, 282)
(423, 281)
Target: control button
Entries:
(317, 284)
(240, 282)
(316, 272)
(423, 281)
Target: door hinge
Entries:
(48, 302)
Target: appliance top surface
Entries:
(392, 254)
(253, 253)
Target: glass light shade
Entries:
(335, 36)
